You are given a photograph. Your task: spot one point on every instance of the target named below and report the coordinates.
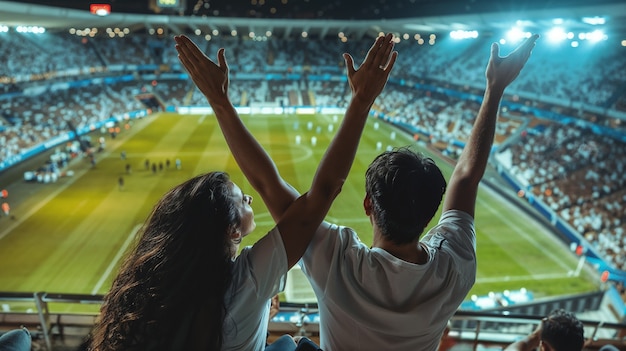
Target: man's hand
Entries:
(501, 71)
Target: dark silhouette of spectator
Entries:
(559, 331)
(16, 340)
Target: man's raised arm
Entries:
(470, 168)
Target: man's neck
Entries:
(412, 252)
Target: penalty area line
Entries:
(113, 263)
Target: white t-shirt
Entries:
(370, 300)
(259, 273)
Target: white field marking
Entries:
(202, 118)
(530, 239)
(71, 181)
(113, 263)
(507, 278)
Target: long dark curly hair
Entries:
(160, 299)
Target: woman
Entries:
(177, 277)
(184, 287)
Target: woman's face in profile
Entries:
(243, 202)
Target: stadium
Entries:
(99, 119)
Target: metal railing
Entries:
(484, 327)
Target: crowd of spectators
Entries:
(577, 172)
(580, 176)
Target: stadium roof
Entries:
(324, 18)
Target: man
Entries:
(400, 293)
(560, 331)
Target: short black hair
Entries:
(406, 189)
(563, 331)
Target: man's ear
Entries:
(367, 205)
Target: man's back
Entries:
(371, 300)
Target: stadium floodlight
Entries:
(516, 34)
(30, 29)
(596, 36)
(594, 21)
(574, 44)
(557, 34)
(464, 34)
(4, 29)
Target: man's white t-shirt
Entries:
(370, 300)
(259, 273)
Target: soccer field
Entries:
(69, 236)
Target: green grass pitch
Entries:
(70, 236)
